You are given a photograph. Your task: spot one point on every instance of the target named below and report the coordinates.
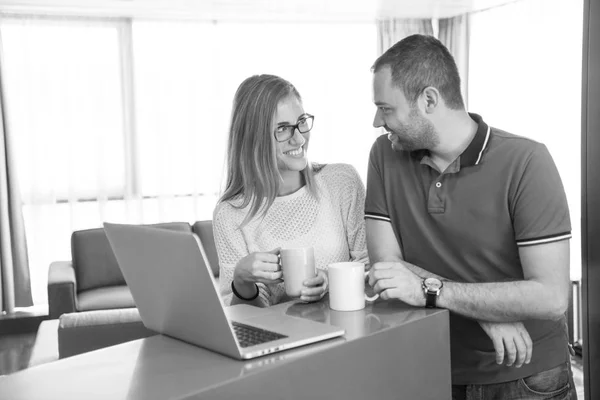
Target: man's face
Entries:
(407, 127)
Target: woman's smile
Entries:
(299, 152)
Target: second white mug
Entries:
(347, 286)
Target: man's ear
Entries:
(430, 99)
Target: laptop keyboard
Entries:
(250, 335)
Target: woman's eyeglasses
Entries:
(284, 133)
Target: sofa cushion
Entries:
(105, 298)
(94, 261)
(86, 331)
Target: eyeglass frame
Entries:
(305, 117)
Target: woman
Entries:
(274, 198)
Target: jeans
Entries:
(556, 383)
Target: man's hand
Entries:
(393, 280)
(511, 338)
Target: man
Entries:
(469, 218)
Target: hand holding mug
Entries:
(393, 280)
(314, 288)
(258, 267)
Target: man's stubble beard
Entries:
(426, 137)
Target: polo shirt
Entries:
(467, 223)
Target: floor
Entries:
(15, 351)
(577, 364)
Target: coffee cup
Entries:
(298, 265)
(347, 286)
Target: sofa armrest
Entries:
(81, 332)
(62, 289)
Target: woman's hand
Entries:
(315, 288)
(257, 267)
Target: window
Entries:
(51, 71)
(126, 120)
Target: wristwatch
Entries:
(432, 288)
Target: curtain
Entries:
(454, 34)
(390, 31)
(15, 285)
(63, 95)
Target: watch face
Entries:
(433, 284)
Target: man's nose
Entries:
(378, 121)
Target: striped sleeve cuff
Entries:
(380, 217)
(544, 239)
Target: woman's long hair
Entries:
(252, 172)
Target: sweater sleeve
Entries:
(231, 248)
(353, 203)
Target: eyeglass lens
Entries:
(304, 125)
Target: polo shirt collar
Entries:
(474, 152)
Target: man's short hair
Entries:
(420, 61)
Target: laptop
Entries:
(174, 290)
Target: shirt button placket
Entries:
(436, 203)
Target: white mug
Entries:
(297, 264)
(347, 286)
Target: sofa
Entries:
(92, 279)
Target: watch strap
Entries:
(430, 299)
(431, 295)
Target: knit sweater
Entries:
(333, 225)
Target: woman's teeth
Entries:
(296, 152)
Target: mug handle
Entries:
(372, 298)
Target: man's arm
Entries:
(542, 294)
(383, 246)
(512, 343)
